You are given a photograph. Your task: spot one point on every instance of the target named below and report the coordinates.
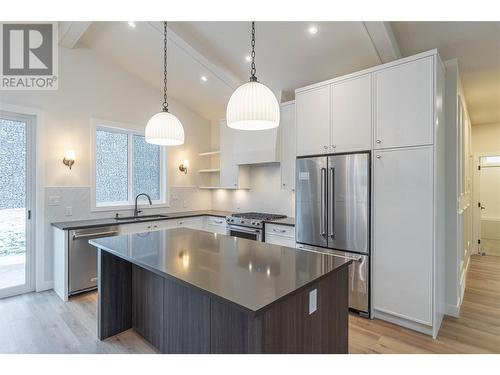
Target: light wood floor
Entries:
(42, 323)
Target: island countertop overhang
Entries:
(248, 274)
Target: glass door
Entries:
(16, 212)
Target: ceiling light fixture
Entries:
(164, 128)
(313, 30)
(204, 78)
(132, 24)
(253, 105)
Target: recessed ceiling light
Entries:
(132, 24)
(313, 30)
(248, 58)
(204, 78)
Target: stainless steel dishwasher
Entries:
(82, 258)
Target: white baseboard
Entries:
(44, 285)
(452, 310)
(422, 328)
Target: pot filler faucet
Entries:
(136, 211)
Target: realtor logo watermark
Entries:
(28, 56)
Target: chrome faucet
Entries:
(136, 211)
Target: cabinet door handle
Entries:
(219, 222)
(279, 230)
(379, 156)
(325, 147)
(379, 141)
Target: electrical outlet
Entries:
(313, 301)
(68, 211)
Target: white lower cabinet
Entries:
(403, 234)
(215, 224)
(282, 235)
(147, 226)
(191, 222)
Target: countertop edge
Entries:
(174, 216)
(181, 215)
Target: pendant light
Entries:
(164, 128)
(253, 105)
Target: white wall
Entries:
(90, 86)
(265, 194)
(486, 138)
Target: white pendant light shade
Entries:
(164, 129)
(253, 107)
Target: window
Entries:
(491, 161)
(126, 165)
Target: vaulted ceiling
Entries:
(288, 56)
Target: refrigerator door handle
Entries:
(322, 226)
(331, 203)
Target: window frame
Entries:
(130, 130)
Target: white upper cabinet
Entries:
(352, 114)
(313, 121)
(232, 176)
(287, 145)
(404, 102)
(403, 233)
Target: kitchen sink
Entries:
(141, 217)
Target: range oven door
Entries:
(244, 232)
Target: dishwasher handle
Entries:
(77, 236)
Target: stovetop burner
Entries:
(259, 216)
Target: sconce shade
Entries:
(70, 155)
(69, 158)
(164, 129)
(253, 106)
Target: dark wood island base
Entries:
(176, 317)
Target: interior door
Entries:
(310, 198)
(489, 205)
(16, 204)
(348, 202)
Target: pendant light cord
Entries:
(253, 78)
(165, 103)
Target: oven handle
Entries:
(243, 229)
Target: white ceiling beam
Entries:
(71, 32)
(225, 75)
(383, 40)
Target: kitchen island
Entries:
(189, 291)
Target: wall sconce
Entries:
(69, 158)
(184, 166)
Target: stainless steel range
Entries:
(249, 224)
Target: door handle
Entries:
(331, 203)
(322, 229)
(90, 235)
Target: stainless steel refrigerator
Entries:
(333, 215)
